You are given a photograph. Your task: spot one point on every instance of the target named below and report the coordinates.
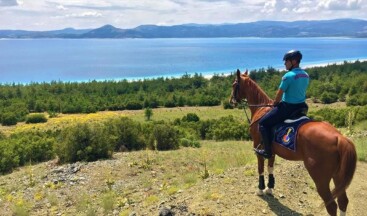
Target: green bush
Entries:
(33, 146)
(125, 134)
(9, 159)
(84, 142)
(165, 137)
(337, 117)
(227, 105)
(8, 119)
(133, 105)
(36, 118)
(357, 100)
(22, 148)
(191, 117)
(227, 128)
(328, 98)
(185, 142)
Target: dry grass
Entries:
(130, 181)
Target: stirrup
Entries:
(263, 153)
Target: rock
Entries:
(166, 212)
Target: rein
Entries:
(244, 104)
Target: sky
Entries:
(42, 15)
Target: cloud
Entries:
(340, 4)
(57, 14)
(61, 7)
(87, 14)
(8, 3)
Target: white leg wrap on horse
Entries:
(270, 170)
(269, 191)
(260, 192)
(343, 213)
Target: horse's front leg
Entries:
(260, 170)
(271, 180)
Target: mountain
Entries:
(63, 33)
(322, 28)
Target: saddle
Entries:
(285, 133)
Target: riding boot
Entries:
(266, 153)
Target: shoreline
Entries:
(210, 74)
(205, 74)
(303, 66)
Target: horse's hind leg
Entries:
(325, 193)
(342, 199)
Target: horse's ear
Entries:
(238, 74)
(246, 72)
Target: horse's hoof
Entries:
(260, 192)
(269, 191)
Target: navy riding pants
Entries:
(278, 114)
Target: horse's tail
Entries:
(347, 165)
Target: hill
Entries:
(321, 28)
(149, 183)
(219, 178)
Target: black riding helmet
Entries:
(293, 55)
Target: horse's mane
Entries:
(256, 93)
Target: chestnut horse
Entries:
(325, 152)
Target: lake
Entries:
(45, 60)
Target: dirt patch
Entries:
(136, 184)
(233, 193)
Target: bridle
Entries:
(243, 103)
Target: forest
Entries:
(83, 141)
(346, 82)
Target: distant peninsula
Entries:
(355, 28)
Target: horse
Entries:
(326, 154)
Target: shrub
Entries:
(33, 146)
(166, 137)
(185, 142)
(148, 112)
(226, 128)
(358, 99)
(84, 142)
(126, 134)
(227, 105)
(9, 159)
(336, 117)
(328, 98)
(36, 118)
(133, 105)
(24, 147)
(52, 114)
(191, 117)
(8, 119)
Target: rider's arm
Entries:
(278, 96)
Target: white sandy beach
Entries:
(304, 66)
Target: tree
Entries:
(148, 113)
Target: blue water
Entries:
(45, 60)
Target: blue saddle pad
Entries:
(285, 133)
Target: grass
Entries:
(361, 148)
(158, 174)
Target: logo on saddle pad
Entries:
(286, 138)
(285, 133)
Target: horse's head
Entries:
(237, 95)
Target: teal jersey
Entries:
(294, 85)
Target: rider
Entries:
(291, 96)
